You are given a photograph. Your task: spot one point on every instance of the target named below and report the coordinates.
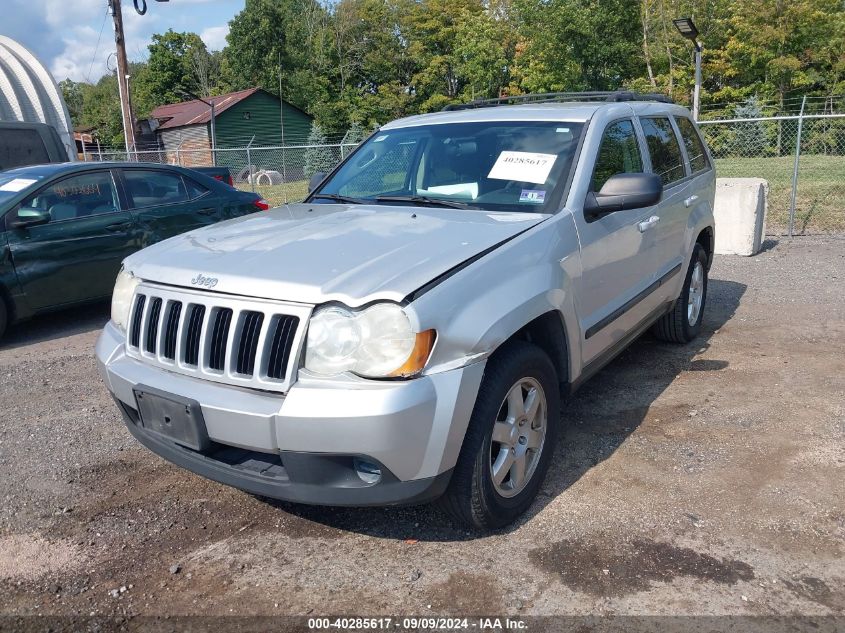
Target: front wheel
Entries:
(683, 323)
(509, 441)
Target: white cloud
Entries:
(63, 33)
(79, 56)
(215, 37)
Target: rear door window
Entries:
(692, 141)
(148, 188)
(664, 149)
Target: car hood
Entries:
(317, 253)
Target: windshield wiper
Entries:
(425, 201)
(338, 198)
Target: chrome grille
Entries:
(247, 342)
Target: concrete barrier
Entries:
(740, 212)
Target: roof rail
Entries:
(560, 97)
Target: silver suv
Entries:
(408, 332)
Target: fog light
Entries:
(368, 472)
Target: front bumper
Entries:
(302, 446)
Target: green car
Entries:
(65, 228)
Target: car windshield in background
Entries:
(494, 166)
(11, 184)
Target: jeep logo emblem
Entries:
(205, 282)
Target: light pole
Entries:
(686, 27)
(210, 104)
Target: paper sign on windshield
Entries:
(523, 167)
(18, 184)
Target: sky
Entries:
(63, 33)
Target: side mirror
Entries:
(622, 192)
(30, 217)
(316, 179)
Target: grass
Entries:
(279, 194)
(820, 203)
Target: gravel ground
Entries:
(703, 479)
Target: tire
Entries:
(682, 324)
(473, 498)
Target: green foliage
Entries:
(318, 157)
(101, 111)
(370, 61)
(72, 92)
(750, 138)
(178, 62)
(355, 134)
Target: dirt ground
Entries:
(706, 479)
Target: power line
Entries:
(97, 47)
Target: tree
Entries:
(273, 36)
(483, 54)
(177, 62)
(72, 93)
(779, 46)
(101, 111)
(318, 157)
(355, 134)
(750, 138)
(432, 30)
(580, 44)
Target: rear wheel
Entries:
(683, 323)
(509, 441)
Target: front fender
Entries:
(477, 309)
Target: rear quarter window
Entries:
(194, 189)
(692, 142)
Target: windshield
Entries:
(12, 183)
(495, 166)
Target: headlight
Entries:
(377, 342)
(121, 298)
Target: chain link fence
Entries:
(801, 156)
(803, 159)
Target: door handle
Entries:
(118, 226)
(645, 225)
(688, 202)
(207, 211)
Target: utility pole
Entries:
(696, 95)
(123, 77)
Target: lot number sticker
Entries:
(523, 167)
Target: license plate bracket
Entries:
(172, 417)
